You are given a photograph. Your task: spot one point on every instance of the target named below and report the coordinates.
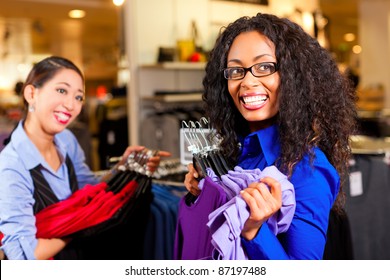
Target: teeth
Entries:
(62, 116)
(255, 100)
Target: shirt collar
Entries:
(28, 152)
(265, 140)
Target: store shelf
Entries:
(362, 144)
(176, 66)
(196, 96)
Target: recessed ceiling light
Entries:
(76, 13)
(118, 2)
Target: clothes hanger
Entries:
(209, 156)
(133, 169)
(197, 161)
(214, 151)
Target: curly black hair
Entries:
(317, 102)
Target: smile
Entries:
(62, 117)
(254, 100)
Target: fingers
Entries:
(267, 194)
(192, 170)
(256, 218)
(275, 189)
(129, 150)
(163, 154)
(154, 161)
(264, 199)
(191, 182)
(152, 165)
(257, 197)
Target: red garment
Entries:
(85, 208)
(78, 199)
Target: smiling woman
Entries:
(53, 93)
(279, 109)
(255, 95)
(41, 144)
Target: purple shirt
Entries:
(193, 238)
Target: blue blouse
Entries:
(316, 186)
(17, 220)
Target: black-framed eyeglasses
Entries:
(258, 70)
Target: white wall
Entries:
(374, 31)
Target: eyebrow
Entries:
(67, 84)
(256, 57)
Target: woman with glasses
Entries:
(276, 97)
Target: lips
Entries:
(254, 102)
(62, 117)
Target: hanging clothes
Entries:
(96, 211)
(221, 239)
(161, 226)
(367, 205)
(86, 208)
(193, 238)
(227, 222)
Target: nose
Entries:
(69, 102)
(249, 79)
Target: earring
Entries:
(31, 108)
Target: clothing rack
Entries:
(170, 172)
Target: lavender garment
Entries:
(193, 238)
(231, 189)
(226, 222)
(238, 179)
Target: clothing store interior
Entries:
(143, 72)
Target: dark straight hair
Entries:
(42, 72)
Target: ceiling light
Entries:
(76, 14)
(118, 2)
(349, 37)
(356, 49)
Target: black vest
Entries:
(44, 196)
